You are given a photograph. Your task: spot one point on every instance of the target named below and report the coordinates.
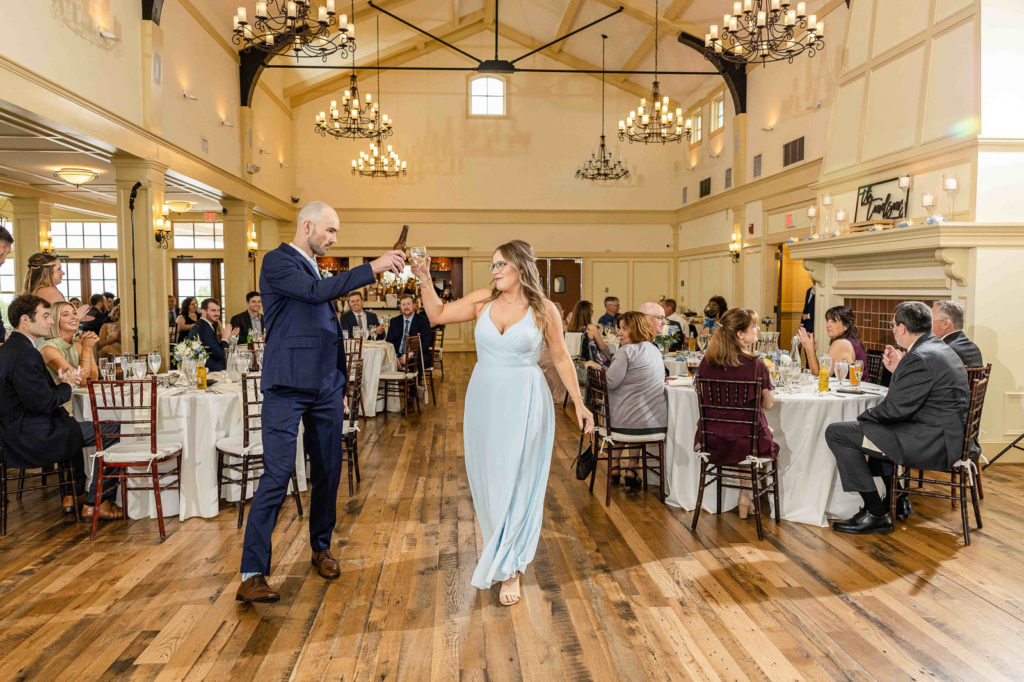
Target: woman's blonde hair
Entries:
(521, 256)
(115, 314)
(55, 311)
(40, 272)
(724, 349)
(638, 326)
(582, 314)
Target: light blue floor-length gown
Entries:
(509, 431)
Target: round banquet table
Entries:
(378, 356)
(809, 486)
(196, 419)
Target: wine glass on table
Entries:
(155, 360)
(856, 372)
(702, 343)
(139, 366)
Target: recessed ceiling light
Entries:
(75, 176)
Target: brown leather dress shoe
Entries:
(70, 502)
(326, 565)
(108, 511)
(256, 589)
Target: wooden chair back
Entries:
(716, 397)
(597, 399)
(354, 390)
(875, 369)
(978, 373)
(129, 406)
(414, 356)
(973, 426)
(252, 408)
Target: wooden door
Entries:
(564, 281)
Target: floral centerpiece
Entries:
(666, 341)
(190, 348)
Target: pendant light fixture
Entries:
(660, 125)
(381, 162)
(602, 166)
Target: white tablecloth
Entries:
(197, 419)
(809, 487)
(376, 356)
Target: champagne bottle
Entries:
(401, 244)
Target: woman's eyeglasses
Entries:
(495, 267)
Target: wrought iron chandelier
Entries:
(661, 125)
(380, 162)
(352, 120)
(296, 26)
(602, 166)
(765, 31)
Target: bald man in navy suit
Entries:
(303, 380)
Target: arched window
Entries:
(487, 96)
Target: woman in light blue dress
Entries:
(509, 426)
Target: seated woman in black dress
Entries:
(728, 357)
(844, 341)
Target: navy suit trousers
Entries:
(322, 416)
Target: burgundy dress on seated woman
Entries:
(858, 352)
(730, 443)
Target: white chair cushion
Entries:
(396, 376)
(137, 450)
(631, 437)
(233, 444)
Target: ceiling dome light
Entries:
(75, 176)
(178, 205)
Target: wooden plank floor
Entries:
(619, 593)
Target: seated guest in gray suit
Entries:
(919, 424)
(948, 325)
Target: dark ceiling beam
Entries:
(151, 10)
(250, 65)
(734, 75)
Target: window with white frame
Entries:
(83, 235)
(718, 112)
(103, 276)
(487, 96)
(697, 119)
(71, 284)
(200, 235)
(8, 287)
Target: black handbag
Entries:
(585, 461)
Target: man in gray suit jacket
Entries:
(948, 325)
(919, 424)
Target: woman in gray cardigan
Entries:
(636, 382)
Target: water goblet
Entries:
(104, 368)
(856, 372)
(155, 360)
(842, 369)
(139, 364)
(702, 343)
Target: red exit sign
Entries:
(211, 217)
(789, 220)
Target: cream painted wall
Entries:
(525, 160)
(99, 69)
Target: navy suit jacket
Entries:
(419, 325)
(218, 361)
(920, 423)
(303, 348)
(968, 351)
(34, 426)
(348, 320)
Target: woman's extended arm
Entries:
(438, 312)
(563, 364)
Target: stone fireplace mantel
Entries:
(981, 265)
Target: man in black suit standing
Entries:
(35, 429)
(410, 323)
(249, 320)
(206, 331)
(807, 315)
(358, 317)
(919, 424)
(948, 325)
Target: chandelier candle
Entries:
(764, 31)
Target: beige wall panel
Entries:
(896, 21)
(609, 278)
(1000, 178)
(61, 42)
(844, 139)
(200, 66)
(754, 213)
(894, 97)
(857, 43)
(944, 8)
(546, 239)
(755, 287)
(708, 230)
(1002, 53)
(651, 281)
(948, 65)
(685, 272)
(272, 130)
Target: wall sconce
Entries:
(734, 247)
(108, 35)
(46, 244)
(904, 182)
(224, 123)
(253, 244)
(162, 232)
(767, 129)
(188, 95)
